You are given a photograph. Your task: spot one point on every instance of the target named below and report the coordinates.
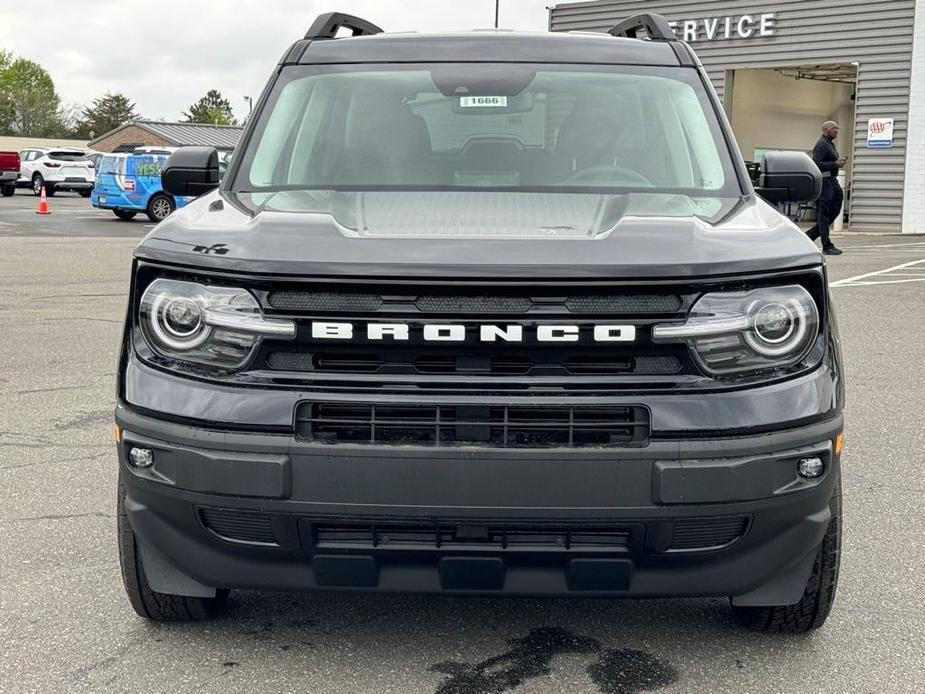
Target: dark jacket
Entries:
(826, 157)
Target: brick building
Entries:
(147, 133)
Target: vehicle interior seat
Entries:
(386, 143)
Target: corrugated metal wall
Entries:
(876, 33)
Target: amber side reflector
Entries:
(117, 433)
(839, 443)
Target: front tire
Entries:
(125, 215)
(159, 207)
(814, 607)
(158, 607)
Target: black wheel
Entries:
(8, 191)
(85, 193)
(158, 607)
(125, 215)
(813, 609)
(159, 207)
(37, 183)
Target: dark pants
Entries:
(827, 208)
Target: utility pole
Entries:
(250, 104)
(497, 9)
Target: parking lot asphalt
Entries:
(66, 626)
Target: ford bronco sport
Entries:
(484, 313)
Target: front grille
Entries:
(526, 361)
(239, 526)
(491, 537)
(504, 426)
(405, 299)
(705, 533)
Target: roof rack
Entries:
(327, 25)
(655, 26)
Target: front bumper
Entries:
(680, 517)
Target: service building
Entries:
(782, 68)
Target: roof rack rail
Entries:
(655, 26)
(327, 25)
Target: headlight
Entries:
(205, 324)
(731, 332)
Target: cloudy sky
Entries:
(165, 54)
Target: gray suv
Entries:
(483, 313)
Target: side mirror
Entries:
(191, 171)
(789, 177)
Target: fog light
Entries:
(141, 457)
(811, 468)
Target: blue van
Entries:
(131, 183)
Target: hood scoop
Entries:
(480, 215)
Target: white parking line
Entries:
(874, 284)
(889, 245)
(856, 280)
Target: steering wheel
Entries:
(596, 173)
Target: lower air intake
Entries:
(707, 533)
(446, 536)
(239, 526)
(505, 426)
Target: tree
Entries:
(104, 114)
(6, 107)
(29, 103)
(212, 108)
(67, 120)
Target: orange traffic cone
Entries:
(43, 204)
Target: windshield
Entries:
(504, 127)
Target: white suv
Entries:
(56, 169)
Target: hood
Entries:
(479, 234)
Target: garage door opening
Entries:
(784, 108)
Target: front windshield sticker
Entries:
(483, 102)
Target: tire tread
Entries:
(158, 607)
(814, 607)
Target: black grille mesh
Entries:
(239, 526)
(625, 303)
(702, 533)
(324, 301)
(473, 304)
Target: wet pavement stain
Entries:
(626, 671)
(614, 671)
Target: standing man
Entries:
(828, 206)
